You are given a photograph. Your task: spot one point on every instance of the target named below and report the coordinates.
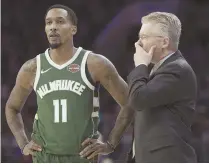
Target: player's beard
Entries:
(54, 45)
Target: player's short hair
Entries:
(71, 14)
(170, 23)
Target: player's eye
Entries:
(61, 22)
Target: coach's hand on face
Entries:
(141, 56)
(30, 148)
(93, 147)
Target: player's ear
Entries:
(74, 30)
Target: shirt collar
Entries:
(157, 65)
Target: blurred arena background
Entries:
(109, 27)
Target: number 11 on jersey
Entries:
(57, 104)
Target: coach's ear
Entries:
(74, 30)
(165, 42)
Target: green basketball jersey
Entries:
(67, 104)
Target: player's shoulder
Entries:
(100, 66)
(98, 60)
(27, 73)
(30, 65)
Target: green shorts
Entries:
(43, 157)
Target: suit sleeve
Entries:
(166, 87)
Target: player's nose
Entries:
(53, 27)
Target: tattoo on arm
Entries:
(17, 98)
(123, 121)
(108, 76)
(30, 66)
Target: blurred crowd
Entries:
(23, 38)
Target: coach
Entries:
(164, 99)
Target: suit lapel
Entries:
(172, 58)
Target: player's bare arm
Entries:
(103, 71)
(17, 99)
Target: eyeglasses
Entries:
(141, 37)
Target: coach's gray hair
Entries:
(170, 23)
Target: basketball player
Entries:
(64, 78)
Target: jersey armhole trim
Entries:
(38, 71)
(83, 71)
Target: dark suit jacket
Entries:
(164, 104)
